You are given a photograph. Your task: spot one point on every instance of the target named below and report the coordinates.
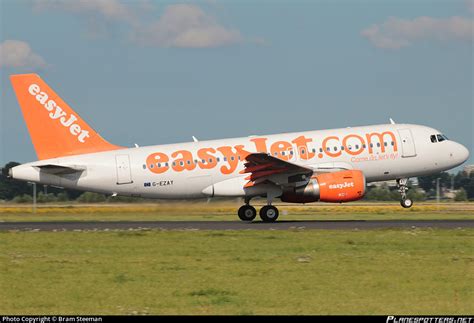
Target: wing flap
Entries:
(263, 167)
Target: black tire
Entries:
(247, 213)
(406, 203)
(269, 213)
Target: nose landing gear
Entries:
(402, 188)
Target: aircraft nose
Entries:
(460, 153)
(463, 153)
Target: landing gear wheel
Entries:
(269, 213)
(247, 213)
(406, 203)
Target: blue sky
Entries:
(160, 72)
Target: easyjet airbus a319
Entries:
(328, 165)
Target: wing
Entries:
(262, 167)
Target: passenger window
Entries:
(433, 138)
(378, 144)
(320, 150)
(357, 147)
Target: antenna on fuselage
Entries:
(391, 121)
(195, 139)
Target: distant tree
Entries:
(428, 183)
(382, 193)
(25, 198)
(9, 188)
(416, 195)
(465, 181)
(89, 197)
(62, 197)
(461, 195)
(46, 198)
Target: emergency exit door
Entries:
(124, 174)
(408, 145)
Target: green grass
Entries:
(227, 212)
(238, 272)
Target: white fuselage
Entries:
(381, 152)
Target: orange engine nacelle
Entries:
(343, 186)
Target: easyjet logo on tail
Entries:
(55, 112)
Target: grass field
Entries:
(226, 211)
(412, 271)
(238, 272)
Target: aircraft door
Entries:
(408, 144)
(124, 174)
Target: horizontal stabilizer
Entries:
(61, 170)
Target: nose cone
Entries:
(460, 153)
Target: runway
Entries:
(235, 225)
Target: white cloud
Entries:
(396, 33)
(16, 53)
(470, 5)
(180, 25)
(110, 9)
(186, 25)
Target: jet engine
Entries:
(342, 186)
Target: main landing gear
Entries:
(402, 188)
(268, 213)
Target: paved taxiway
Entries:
(237, 225)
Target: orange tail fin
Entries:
(55, 129)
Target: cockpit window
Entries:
(440, 138)
(433, 138)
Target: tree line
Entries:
(22, 192)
